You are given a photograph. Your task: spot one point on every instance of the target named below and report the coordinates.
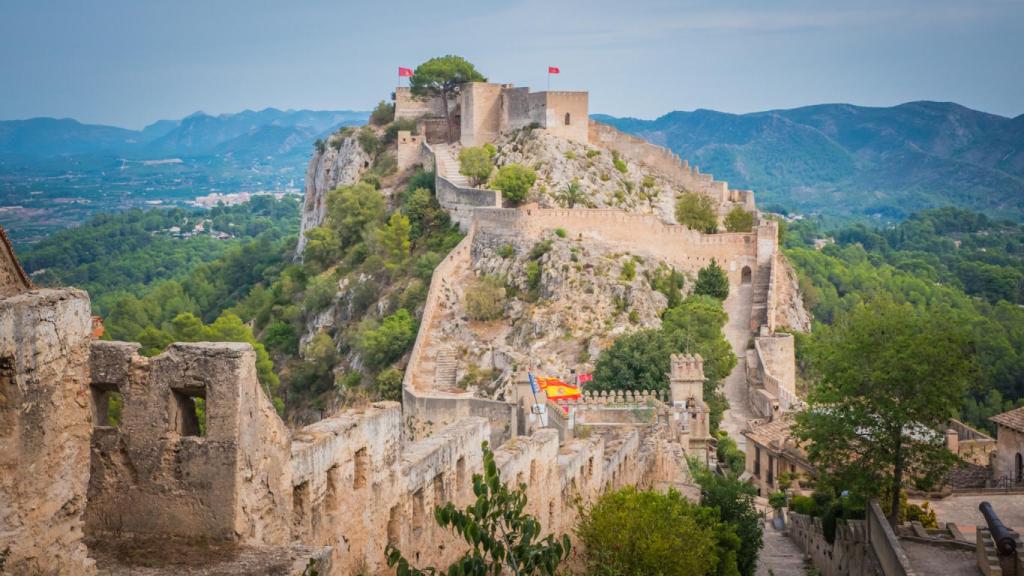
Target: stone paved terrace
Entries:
(929, 559)
(962, 510)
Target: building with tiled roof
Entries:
(1008, 463)
(773, 451)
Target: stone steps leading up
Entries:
(445, 371)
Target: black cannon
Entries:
(1005, 538)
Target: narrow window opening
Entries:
(417, 511)
(107, 403)
(551, 514)
(8, 397)
(394, 525)
(332, 488)
(300, 504)
(439, 497)
(533, 471)
(567, 119)
(460, 473)
(190, 412)
(362, 464)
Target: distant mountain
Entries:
(844, 160)
(55, 173)
(199, 134)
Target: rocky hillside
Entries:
(603, 180)
(561, 302)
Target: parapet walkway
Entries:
(737, 331)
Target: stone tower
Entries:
(686, 379)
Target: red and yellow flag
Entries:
(556, 389)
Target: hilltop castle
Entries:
(240, 493)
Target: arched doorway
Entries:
(1019, 469)
(568, 119)
(745, 275)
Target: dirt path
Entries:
(737, 331)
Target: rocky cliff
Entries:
(339, 163)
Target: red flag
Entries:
(553, 70)
(585, 378)
(404, 72)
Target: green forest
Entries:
(956, 264)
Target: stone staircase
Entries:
(444, 368)
(438, 366)
(759, 310)
(447, 158)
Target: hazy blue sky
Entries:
(132, 62)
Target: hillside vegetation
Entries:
(951, 263)
(853, 161)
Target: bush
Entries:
(802, 505)
(506, 251)
(385, 164)
(491, 150)
(618, 162)
(389, 384)
(391, 132)
(739, 220)
(533, 279)
(369, 141)
(634, 533)
(383, 113)
(729, 453)
(476, 163)
(696, 211)
(592, 153)
(560, 232)
(711, 281)
(777, 500)
(382, 344)
(628, 271)
(734, 499)
(514, 181)
(319, 293)
(570, 155)
(485, 299)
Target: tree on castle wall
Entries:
(739, 220)
(444, 76)
(502, 538)
(711, 281)
(697, 212)
(890, 377)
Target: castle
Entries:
(200, 475)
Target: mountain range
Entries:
(845, 161)
(56, 172)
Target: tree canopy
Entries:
(696, 211)
(712, 281)
(890, 376)
(444, 76)
(514, 181)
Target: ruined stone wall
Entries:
(663, 160)
(357, 488)
(518, 109)
(845, 557)
(481, 113)
(566, 115)
(162, 473)
(45, 423)
(642, 234)
(409, 106)
(785, 304)
(777, 356)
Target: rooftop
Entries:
(1013, 419)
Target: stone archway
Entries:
(745, 275)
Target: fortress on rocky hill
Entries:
(246, 495)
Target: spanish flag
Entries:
(556, 389)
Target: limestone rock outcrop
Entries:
(340, 163)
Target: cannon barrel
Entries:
(1005, 538)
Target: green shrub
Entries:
(389, 384)
(491, 150)
(696, 211)
(540, 249)
(319, 293)
(514, 181)
(777, 500)
(711, 281)
(533, 279)
(369, 141)
(570, 155)
(619, 164)
(383, 113)
(739, 220)
(506, 251)
(320, 145)
(593, 153)
(632, 533)
(485, 299)
(628, 271)
(802, 505)
(560, 232)
(381, 344)
(385, 164)
(402, 124)
(476, 163)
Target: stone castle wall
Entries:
(408, 106)
(45, 423)
(227, 480)
(566, 115)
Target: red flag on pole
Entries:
(553, 70)
(404, 72)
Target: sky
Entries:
(132, 62)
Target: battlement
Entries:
(687, 367)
